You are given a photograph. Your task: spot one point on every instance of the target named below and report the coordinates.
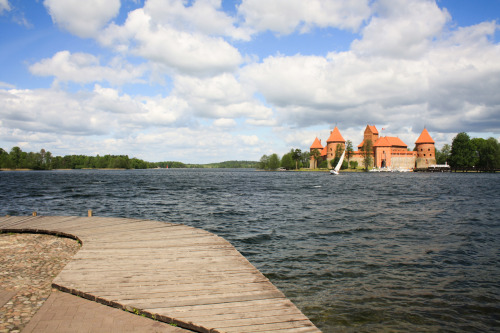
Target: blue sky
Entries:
(207, 80)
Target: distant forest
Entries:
(43, 160)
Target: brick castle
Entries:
(388, 151)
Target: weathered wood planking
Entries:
(166, 271)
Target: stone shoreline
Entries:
(28, 264)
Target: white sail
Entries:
(339, 164)
(337, 168)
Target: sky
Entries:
(202, 81)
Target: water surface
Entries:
(358, 252)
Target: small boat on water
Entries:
(339, 164)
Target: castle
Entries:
(388, 151)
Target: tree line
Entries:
(44, 160)
(464, 153)
(470, 154)
(294, 159)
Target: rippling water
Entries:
(357, 252)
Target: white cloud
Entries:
(168, 111)
(225, 122)
(86, 68)
(451, 77)
(109, 100)
(4, 5)
(202, 16)
(286, 16)
(6, 85)
(49, 111)
(82, 18)
(250, 140)
(220, 96)
(101, 112)
(402, 28)
(191, 53)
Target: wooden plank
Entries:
(159, 293)
(281, 321)
(191, 300)
(235, 307)
(182, 274)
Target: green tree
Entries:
(323, 164)
(495, 147)
(462, 153)
(274, 162)
(48, 160)
(264, 162)
(485, 153)
(305, 158)
(287, 161)
(443, 155)
(296, 156)
(353, 164)
(4, 159)
(349, 150)
(367, 154)
(15, 157)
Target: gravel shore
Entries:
(28, 264)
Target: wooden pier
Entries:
(168, 272)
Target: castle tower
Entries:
(316, 145)
(426, 152)
(371, 133)
(333, 141)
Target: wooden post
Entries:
(90, 213)
(34, 213)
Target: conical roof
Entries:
(335, 136)
(424, 137)
(316, 144)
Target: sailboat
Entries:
(339, 164)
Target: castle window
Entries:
(429, 149)
(424, 154)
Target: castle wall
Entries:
(404, 160)
(358, 156)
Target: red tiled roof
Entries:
(424, 137)
(316, 144)
(389, 141)
(335, 136)
(373, 129)
(324, 152)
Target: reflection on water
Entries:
(356, 252)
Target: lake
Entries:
(356, 252)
